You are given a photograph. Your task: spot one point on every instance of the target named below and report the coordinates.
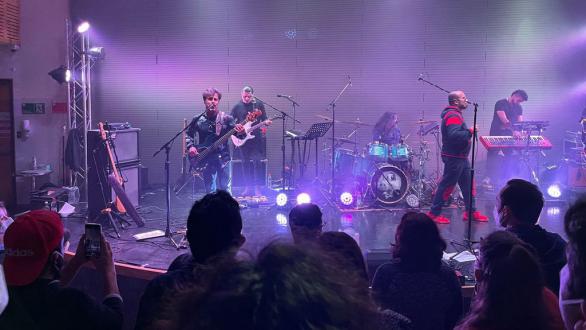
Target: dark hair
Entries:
(510, 288)
(419, 244)
(344, 249)
(214, 225)
(523, 198)
(383, 120)
(521, 93)
(306, 215)
(248, 89)
(210, 92)
(288, 287)
(575, 226)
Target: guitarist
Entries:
(254, 150)
(217, 169)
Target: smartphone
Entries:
(93, 237)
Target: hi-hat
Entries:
(423, 122)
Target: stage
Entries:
(373, 228)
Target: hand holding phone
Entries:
(93, 240)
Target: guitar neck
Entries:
(219, 141)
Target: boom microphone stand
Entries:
(468, 242)
(333, 106)
(283, 117)
(167, 148)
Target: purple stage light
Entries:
(303, 198)
(282, 199)
(346, 198)
(83, 27)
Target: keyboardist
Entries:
(501, 164)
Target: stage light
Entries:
(281, 219)
(554, 190)
(412, 200)
(61, 74)
(97, 53)
(303, 198)
(282, 199)
(83, 27)
(346, 198)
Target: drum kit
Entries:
(384, 174)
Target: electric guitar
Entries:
(209, 145)
(115, 172)
(248, 128)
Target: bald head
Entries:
(458, 98)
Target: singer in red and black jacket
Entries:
(456, 142)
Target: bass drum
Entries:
(389, 184)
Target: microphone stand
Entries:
(167, 148)
(468, 242)
(333, 106)
(283, 117)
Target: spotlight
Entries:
(346, 198)
(412, 200)
(97, 53)
(282, 199)
(83, 27)
(281, 219)
(61, 74)
(303, 198)
(554, 190)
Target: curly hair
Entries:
(575, 227)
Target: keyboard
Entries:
(509, 142)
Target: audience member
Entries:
(416, 283)
(510, 289)
(33, 265)
(519, 205)
(5, 221)
(573, 275)
(305, 222)
(214, 232)
(346, 253)
(288, 287)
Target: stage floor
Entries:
(372, 229)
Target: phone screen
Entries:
(93, 234)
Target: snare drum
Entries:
(399, 152)
(378, 151)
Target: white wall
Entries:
(42, 49)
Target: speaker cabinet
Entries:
(125, 143)
(238, 173)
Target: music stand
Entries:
(316, 131)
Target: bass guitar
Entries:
(208, 146)
(248, 128)
(115, 173)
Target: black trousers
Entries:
(456, 171)
(251, 154)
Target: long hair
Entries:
(510, 288)
(383, 120)
(344, 249)
(575, 226)
(419, 244)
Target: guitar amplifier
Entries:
(124, 141)
(238, 173)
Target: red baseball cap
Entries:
(28, 242)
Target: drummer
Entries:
(386, 129)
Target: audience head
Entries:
(418, 243)
(344, 249)
(288, 287)
(305, 221)
(509, 286)
(575, 226)
(33, 246)
(214, 226)
(519, 203)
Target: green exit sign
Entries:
(33, 108)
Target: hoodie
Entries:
(456, 136)
(550, 248)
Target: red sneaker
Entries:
(476, 216)
(438, 218)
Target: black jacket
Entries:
(456, 136)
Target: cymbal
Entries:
(423, 122)
(326, 118)
(356, 122)
(343, 140)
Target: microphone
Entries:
(285, 96)
(350, 80)
(420, 77)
